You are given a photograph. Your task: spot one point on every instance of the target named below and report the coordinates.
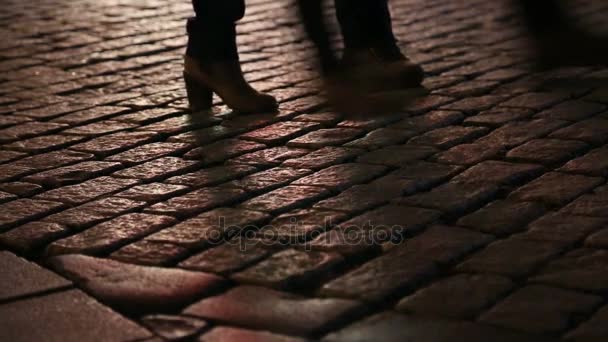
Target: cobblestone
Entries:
(486, 199)
(539, 309)
(261, 308)
(132, 287)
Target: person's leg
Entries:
(365, 23)
(371, 46)
(559, 41)
(212, 60)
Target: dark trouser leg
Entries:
(365, 23)
(542, 16)
(212, 33)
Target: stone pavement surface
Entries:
(478, 213)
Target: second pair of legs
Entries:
(212, 61)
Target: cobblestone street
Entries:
(479, 213)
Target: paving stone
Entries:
(300, 225)
(555, 188)
(381, 277)
(466, 89)
(475, 104)
(174, 327)
(22, 278)
(458, 296)
(94, 212)
(452, 197)
(212, 176)
(25, 209)
(447, 137)
(594, 329)
(21, 189)
(222, 150)
(269, 179)
(279, 132)
(468, 154)
(440, 244)
(269, 157)
(219, 334)
(159, 168)
(32, 235)
(100, 128)
(572, 111)
(497, 117)
(44, 143)
(87, 191)
(598, 239)
(148, 152)
(498, 173)
(285, 198)
(518, 132)
(228, 257)
(339, 177)
(179, 124)
(325, 137)
(581, 269)
(71, 174)
(134, 287)
(91, 114)
(327, 118)
(547, 151)
(392, 327)
(5, 197)
(153, 253)
(426, 103)
(323, 157)
(110, 235)
(29, 129)
(6, 155)
(592, 131)
(152, 192)
(211, 227)
(381, 137)
(197, 201)
(289, 268)
(429, 121)
(44, 161)
(203, 136)
(535, 100)
(369, 230)
(594, 163)
(398, 155)
(540, 309)
(65, 316)
(588, 205)
(502, 217)
(359, 198)
(146, 115)
(114, 143)
(260, 308)
(511, 257)
(563, 228)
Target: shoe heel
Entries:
(200, 96)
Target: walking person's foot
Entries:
(383, 69)
(227, 81)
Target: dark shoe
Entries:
(226, 80)
(355, 98)
(383, 69)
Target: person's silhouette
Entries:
(559, 41)
(371, 51)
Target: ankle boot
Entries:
(226, 80)
(385, 69)
(211, 65)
